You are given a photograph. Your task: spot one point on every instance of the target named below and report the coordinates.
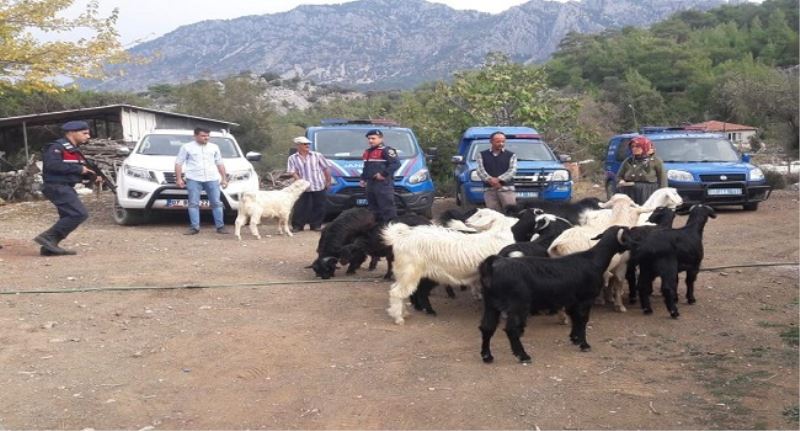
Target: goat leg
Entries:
(373, 263)
(691, 276)
(489, 320)
(630, 276)
(645, 287)
(450, 293)
(515, 327)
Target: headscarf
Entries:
(642, 142)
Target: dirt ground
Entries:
(311, 355)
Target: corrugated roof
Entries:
(88, 113)
(719, 126)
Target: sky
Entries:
(141, 20)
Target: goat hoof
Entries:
(524, 359)
(487, 358)
(399, 321)
(691, 300)
(648, 311)
(674, 314)
(430, 312)
(586, 348)
(621, 308)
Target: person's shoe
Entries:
(192, 231)
(222, 230)
(49, 243)
(64, 252)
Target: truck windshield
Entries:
(524, 149)
(351, 143)
(168, 145)
(695, 150)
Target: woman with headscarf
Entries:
(641, 173)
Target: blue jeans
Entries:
(194, 188)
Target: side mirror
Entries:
(458, 160)
(564, 158)
(252, 156)
(292, 150)
(746, 157)
(432, 153)
(123, 151)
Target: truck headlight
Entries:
(560, 175)
(239, 176)
(676, 175)
(419, 176)
(140, 173)
(756, 174)
(473, 176)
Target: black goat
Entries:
(341, 231)
(370, 243)
(547, 227)
(568, 210)
(661, 217)
(520, 285)
(666, 252)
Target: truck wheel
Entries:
(128, 217)
(750, 206)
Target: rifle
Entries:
(98, 171)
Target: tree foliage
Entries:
(29, 63)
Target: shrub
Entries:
(775, 179)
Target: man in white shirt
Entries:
(204, 171)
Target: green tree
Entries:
(31, 64)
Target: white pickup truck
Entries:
(146, 179)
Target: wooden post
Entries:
(25, 140)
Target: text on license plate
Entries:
(183, 203)
(361, 202)
(527, 194)
(724, 192)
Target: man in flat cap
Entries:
(62, 169)
(314, 168)
(380, 164)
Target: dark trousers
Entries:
(380, 200)
(71, 211)
(309, 209)
(639, 191)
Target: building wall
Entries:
(136, 124)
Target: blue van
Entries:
(703, 167)
(343, 143)
(540, 173)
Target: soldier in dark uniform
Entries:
(380, 164)
(62, 169)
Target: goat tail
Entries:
(245, 198)
(486, 271)
(393, 232)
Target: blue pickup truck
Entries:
(540, 173)
(703, 167)
(343, 143)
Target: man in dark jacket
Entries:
(380, 164)
(62, 169)
(496, 168)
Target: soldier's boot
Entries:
(49, 242)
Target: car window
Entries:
(351, 143)
(169, 145)
(695, 150)
(524, 149)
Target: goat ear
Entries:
(622, 236)
(597, 237)
(605, 205)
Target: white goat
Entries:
(443, 255)
(664, 197)
(273, 203)
(624, 212)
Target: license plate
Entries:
(527, 194)
(724, 192)
(183, 203)
(361, 202)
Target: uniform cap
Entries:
(72, 126)
(374, 132)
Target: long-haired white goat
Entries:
(443, 255)
(272, 203)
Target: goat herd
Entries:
(555, 257)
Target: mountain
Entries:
(377, 44)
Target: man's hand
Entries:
(362, 183)
(179, 182)
(624, 183)
(87, 171)
(379, 177)
(224, 184)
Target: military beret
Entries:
(72, 126)
(374, 132)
